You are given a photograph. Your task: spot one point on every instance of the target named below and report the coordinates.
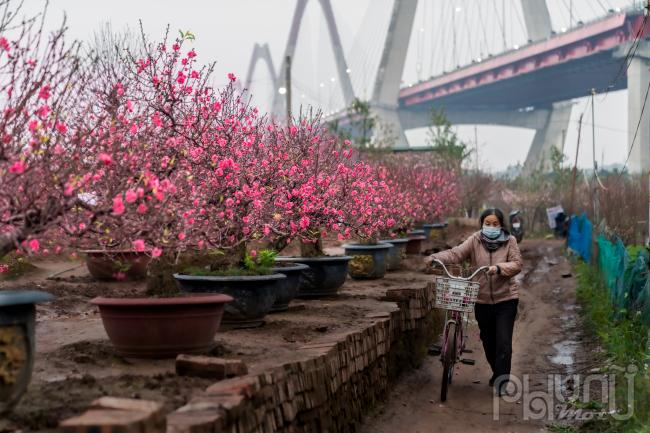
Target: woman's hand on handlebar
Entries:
(429, 260)
(492, 270)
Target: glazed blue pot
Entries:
(17, 348)
(323, 278)
(396, 253)
(253, 296)
(369, 262)
(288, 288)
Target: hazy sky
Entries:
(227, 30)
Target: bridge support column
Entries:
(390, 128)
(538, 19)
(548, 136)
(638, 80)
(385, 95)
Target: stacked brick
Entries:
(330, 390)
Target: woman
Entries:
(496, 306)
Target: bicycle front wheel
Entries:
(448, 360)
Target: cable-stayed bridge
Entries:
(499, 62)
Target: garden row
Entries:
(127, 153)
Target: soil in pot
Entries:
(368, 262)
(253, 296)
(323, 278)
(17, 324)
(162, 327)
(287, 289)
(117, 265)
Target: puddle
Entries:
(565, 352)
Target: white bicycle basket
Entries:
(454, 294)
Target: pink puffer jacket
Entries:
(494, 288)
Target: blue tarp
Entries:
(580, 236)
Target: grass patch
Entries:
(624, 337)
(198, 271)
(14, 265)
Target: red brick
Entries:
(209, 367)
(109, 421)
(194, 422)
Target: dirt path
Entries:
(546, 342)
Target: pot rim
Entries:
(435, 225)
(270, 277)
(22, 297)
(109, 252)
(295, 267)
(417, 238)
(101, 301)
(395, 241)
(299, 259)
(358, 247)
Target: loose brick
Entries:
(194, 422)
(209, 367)
(110, 421)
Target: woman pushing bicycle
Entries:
(496, 305)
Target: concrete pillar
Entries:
(385, 95)
(638, 80)
(537, 18)
(260, 52)
(550, 135)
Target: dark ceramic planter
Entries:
(162, 327)
(433, 231)
(103, 265)
(288, 288)
(369, 262)
(17, 324)
(396, 253)
(414, 245)
(253, 296)
(324, 277)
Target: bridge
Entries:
(529, 85)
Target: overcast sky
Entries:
(227, 30)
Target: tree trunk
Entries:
(8, 241)
(312, 249)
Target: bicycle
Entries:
(457, 295)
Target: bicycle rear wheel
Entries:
(448, 360)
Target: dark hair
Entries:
(492, 211)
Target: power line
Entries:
(638, 125)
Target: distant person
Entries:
(498, 296)
(561, 225)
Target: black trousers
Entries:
(496, 323)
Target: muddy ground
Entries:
(547, 341)
(76, 363)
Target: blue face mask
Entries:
(491, 232)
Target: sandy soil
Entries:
(76, 363)
(547, 341)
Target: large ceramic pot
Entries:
(253, 296)
(119, 264)
(414, 245)
(434, 231)
(369, 262)
(17, 324)
(288, 288)
(162, 327)
(324, 277)
(396, 253)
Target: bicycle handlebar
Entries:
(481, 269)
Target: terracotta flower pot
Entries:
(324, 277)
(288, 288)
(369, 262)
(162, 327)
(396, 253)
(17, 323)
(106, 265)
(253, 296)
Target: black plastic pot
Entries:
(17, 323)
(369, 262)
(253, 296)
(433, 231)
(287, 288)
(396, 253)
(324, 277)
